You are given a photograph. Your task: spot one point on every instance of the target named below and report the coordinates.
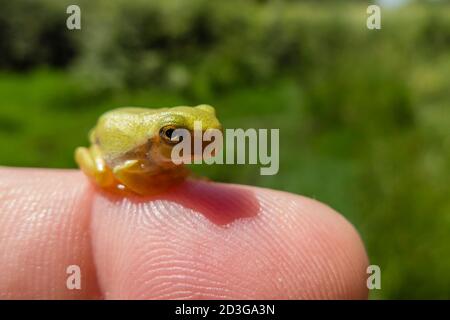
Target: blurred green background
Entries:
(364, 115)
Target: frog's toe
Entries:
(94, 167)
(84, 160)
(128, 165)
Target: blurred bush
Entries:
(363, 115)
(31, 34)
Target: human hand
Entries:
(202, 240)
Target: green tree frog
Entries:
(131, 147)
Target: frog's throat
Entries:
(146, 158)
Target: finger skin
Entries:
(217, 241)
(44, 228)
(201, 240)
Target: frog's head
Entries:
(202, 117)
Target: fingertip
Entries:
(341, 259)
(272, 245)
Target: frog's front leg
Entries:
(93, 165)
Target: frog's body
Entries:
(131, 147)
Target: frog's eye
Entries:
(167, 133)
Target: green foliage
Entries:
(32, 33)
(363, 115)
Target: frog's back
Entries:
(134, 111)
(126, 118)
